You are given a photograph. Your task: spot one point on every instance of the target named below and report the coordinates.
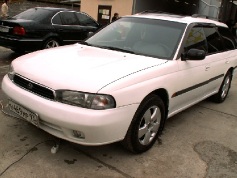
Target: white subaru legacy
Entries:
(122, 83)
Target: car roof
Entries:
(178, 18)
(54, 8)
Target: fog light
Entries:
(78, 134)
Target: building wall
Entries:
(123, 7)
(210, 8)
(184, 7)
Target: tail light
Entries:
(19, 30)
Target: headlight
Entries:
(85, 100)
(11, 73)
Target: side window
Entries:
(228, 39)
(68, 18)
(86, 20)
(196, 39)
(57, 20)
(214, 42)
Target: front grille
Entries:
(33, 87)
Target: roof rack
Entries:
(200, 15)
(204, 16)
(156, 11)
(148, 11)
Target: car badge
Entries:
(30, 86)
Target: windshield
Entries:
(148, 37)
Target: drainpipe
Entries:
(134, 7)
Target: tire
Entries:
(147, 124)
(51, 43)
(224, 89)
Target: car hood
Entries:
(79, 67)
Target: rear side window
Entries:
(214, 41)
(228, 39)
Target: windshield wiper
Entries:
(85, 43)
(116, 49)
(107, 47)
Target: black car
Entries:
(45, 27)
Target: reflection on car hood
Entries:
(79, 67)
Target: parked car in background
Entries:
(122, 83)
(45, 27)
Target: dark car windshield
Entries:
(36, 14)
(148, 37)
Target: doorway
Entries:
(104, 14)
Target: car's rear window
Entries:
(36, 14)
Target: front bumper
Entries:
(21, 44)
(99, 126)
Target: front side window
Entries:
(196, 39)
(148, 37)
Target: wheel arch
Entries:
(50, 38)
(129, 142)
(52, 35)
(231, 70)
(163, 94)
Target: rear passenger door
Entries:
(219, 54)
(230, 46)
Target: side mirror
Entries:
(193, 54)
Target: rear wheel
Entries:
(51, 43)
(146, 125)
(224, 89)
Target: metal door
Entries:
(104, 14)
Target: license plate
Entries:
(4, 29)
(24, 113)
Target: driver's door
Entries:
(193, 75)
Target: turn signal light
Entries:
(19, 31)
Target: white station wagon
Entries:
(123, 82)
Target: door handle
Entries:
(207, 68)
(227, 62)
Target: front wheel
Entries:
(146, 125)
(51, 43)
(224, 89)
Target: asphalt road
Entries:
(199, 142)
